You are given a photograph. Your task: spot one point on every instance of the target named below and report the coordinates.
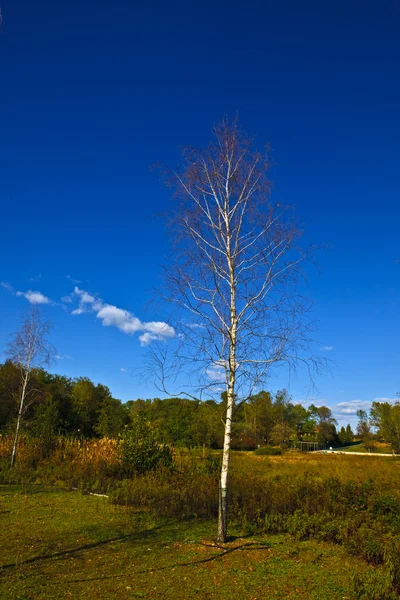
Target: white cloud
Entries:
(352, 406)
(327, 348)
(7, 286)
(216, 373)
(85, 301)
(160, 329)
(125, 321)
(60, 357)
(146, 338)
(36, 277)
(34, 297)
(317, 402)
(73, 280)
(84, 296)
(123, 370)
(120, 318)
(385, 399)
(67, 299)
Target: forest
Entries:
(80, 408)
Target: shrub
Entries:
(244, 442)
(141, 449)
(268, 451)
(181, 494)
(211, 465)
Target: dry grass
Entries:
(353, 501)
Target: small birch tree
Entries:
(29, 349)
(235, 281)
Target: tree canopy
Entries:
(82, 408)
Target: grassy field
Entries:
(306, 526)
(379, 448)
(58, 544)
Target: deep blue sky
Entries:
(92, 93)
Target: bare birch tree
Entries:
(29, 349)
(236, 281)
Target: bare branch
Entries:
(29, 349)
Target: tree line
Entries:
(79, 407)
(381, 423)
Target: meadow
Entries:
(301, 525)
(58, 544)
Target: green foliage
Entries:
(9, 384)
(212, 465)
(87, 401)
(83, 409)
(326, 424)
(282, 434)
(349, 434)
(45, 425)
(364, 429)
(384, 582)
(112, 418)
(183, 494)
(268, 451)
(259, 416)
(345, 435)
(386, 418)
(142, 450)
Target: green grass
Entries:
(57, 544)
(379, 448)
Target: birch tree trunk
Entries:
(223, 489)
(19, 419)
(223, 486)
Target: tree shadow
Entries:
(152, 534)
(28, 489)
(148, 533)
(225, 551)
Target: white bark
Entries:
(19, 418)
(223, 499)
